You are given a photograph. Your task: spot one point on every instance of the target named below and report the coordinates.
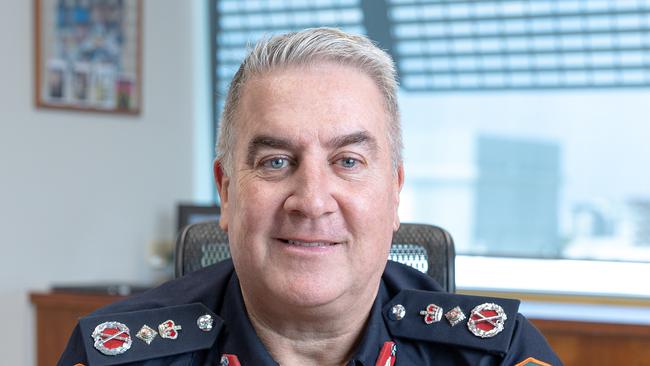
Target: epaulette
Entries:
(483, 323)
(117, 338)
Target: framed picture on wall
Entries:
(88, 55)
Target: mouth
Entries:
(309, 244)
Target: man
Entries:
(309, 173)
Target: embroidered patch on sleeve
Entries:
(532, 362)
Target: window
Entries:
(237, 24)
(524, 121)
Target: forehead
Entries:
(311, 103)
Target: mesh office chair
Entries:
(426, 248)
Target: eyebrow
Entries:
(266, 141)
(356, 138)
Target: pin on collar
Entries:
(455, 316)
(147, 334)
(229, 360)
(432, 313)
(169, 329)
(397, 312)
(204, 322)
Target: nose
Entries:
(311, 194)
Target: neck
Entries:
(320, 335)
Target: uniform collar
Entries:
(375, 333)
(238, 336)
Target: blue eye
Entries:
(349, 162)
(276, 163)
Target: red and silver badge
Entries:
(455, 316)
(112, 338)
(432, 314)
(387, 354)
(487, 320)
(229, 360)
(147, 334)
(168, 329)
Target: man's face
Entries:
(311, 204)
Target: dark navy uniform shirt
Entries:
(215, 291)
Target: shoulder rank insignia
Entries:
(455, 316)
(169, 329)
(204, 322)
(432, 314)
(487, 320)
(532, 362)
(147, 334)
(487, 328)
(108, 339)
(111, 338)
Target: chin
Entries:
(311, 292)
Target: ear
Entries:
(399, 183)
(223, 182)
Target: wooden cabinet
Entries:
(56, 317)
(585, 343)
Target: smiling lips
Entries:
(308, 244)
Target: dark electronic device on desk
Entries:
(190, 214)
(120, 289)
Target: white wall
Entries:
(83, 194)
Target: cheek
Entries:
(377, 201)
(253, 209)
(373, 212)
(247, 196)
(378, 213)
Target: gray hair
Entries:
(307, 47)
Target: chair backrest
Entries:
(427, 248)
